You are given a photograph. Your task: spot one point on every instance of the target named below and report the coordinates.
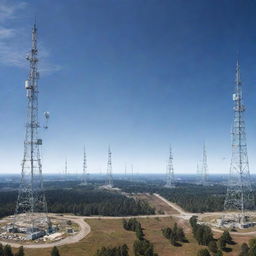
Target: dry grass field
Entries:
(159, 205)
(111, 233)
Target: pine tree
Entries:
(252, 243)
(175, 230)
(212, 246)
(124, 250)
(8, 250)
(139, 232)
(20, 251)
(252, 250)
(203, 252)
(219, 253)
(167, 232)
(180, 235)
(1, 250)
(227, 237)
(244, 250)
(55, 251)
(222, 243)
(125, 224)
(173, 239)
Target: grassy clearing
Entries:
(160, 206)
(111, 233)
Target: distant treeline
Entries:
(82, 201)
(95, 202)
(191, 197)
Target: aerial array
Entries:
(31, 215)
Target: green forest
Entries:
(82, 201)
(191, 197)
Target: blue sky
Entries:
(136, 74)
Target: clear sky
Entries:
(136, 74)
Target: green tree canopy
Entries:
(244, 250)
(1, 250)
(8, 250)
(213, 246)
(219, 253)
(203, 252)
(20, 251)
(226, 235)
(55, 251)
(222, 243)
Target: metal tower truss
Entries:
(31, 207)
(239, 196)
(109, 181)
(204, 167)
(84, 175)
(170, 182)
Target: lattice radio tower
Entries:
(31, 207)
(66, 168)
(109, 181)
(170, 182)
(84, 176)
(204, 166)
(239, 195)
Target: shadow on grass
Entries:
(177, 244)
(227, 249)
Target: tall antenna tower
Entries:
(109, 181)
(31, 207)
(204, 166)
(132, 172)
(239, 195)
(125, 171)
(170, 182)
(84, 176)
(198, 172)
(66, 168)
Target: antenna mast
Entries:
(170, 182)
(66, 168)
(204, 166)
(109, 181)
(239, 195)
(84, 176)
(31, 207)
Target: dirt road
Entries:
(85, 229)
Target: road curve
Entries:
(85, 229)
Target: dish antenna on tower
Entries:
(46, 116)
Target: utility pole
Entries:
(239, 196)
(31, 207)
